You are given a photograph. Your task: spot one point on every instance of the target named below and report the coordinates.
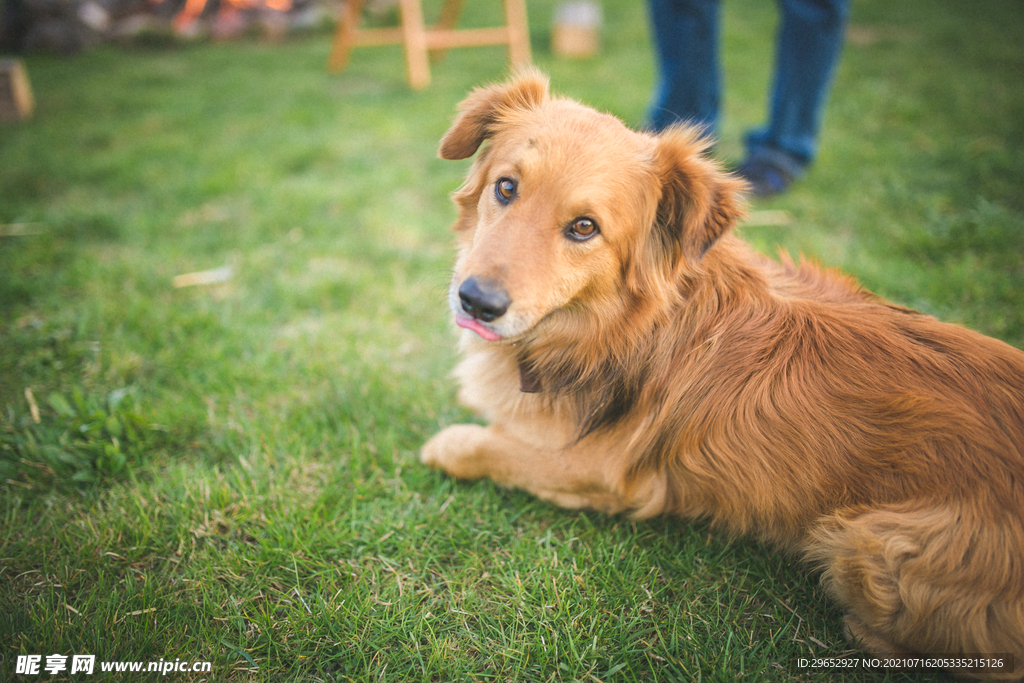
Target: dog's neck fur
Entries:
(603, 380)
(529, 380)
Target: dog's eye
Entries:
(505, 190)
(582, 229)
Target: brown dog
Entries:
(631, 355)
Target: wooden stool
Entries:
(421, 41)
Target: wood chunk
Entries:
(16, 101)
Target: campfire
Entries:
(68, 26)
(233, 17)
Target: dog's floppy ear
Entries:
(483, 109)
(699, 202)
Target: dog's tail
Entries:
(928, 580)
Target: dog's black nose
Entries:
(483, 300)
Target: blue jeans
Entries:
(808, 45)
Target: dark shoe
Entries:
(765, 178)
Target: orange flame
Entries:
(188, 15)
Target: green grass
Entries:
(229, 473)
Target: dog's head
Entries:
(567, 209)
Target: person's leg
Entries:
(686, 43)
(808, 46)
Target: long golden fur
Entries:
(631, 355)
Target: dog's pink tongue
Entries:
(474, 325)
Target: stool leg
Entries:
(518, 32)
(415, 39)
(449, 19)
(342, 46)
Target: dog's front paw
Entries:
(458, 451)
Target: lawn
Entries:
(228, 473)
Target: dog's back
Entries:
(817, 395)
